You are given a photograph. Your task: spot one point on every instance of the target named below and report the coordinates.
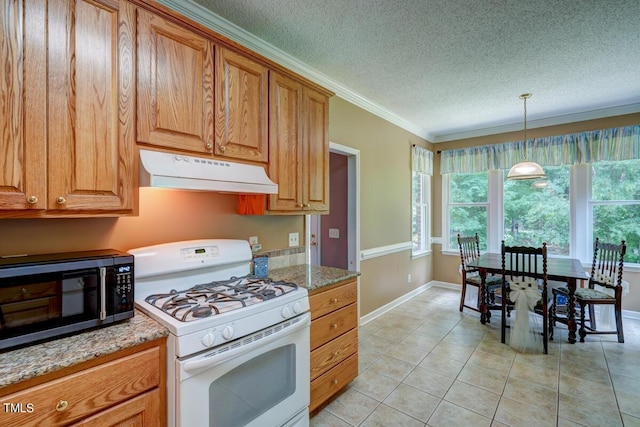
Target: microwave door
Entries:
(73, 296)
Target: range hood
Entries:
(166, 170)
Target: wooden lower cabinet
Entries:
(334, 340)
(123, 389)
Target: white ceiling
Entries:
(448, 69)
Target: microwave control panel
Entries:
(123, 289)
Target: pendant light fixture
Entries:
(525, 169)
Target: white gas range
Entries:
(238, 349)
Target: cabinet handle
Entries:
(209, 146)
(32, 200)
(335, 382)
(62, 405)
(306, 205)
(61, 200)
(334, 326)
(334, 301)
(336, 354)
(222, 148)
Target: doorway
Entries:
(333, 240)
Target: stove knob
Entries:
(297, 307)
(208, 339)
(286, 312)
(228, 332)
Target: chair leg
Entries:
(619, 323)
(582, 332)
(462, 295)
(552, 316)
(592, 317)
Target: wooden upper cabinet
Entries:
(316, 151)
(23, 104)
(299, 147)
(90, 107)
(285, 142)
(241, 86)
(175, 85)
(68, 137)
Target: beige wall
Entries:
(447, 269)
(165, 215)
(385, 201)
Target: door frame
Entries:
(312, 222)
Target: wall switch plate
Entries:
(334, 233)
(409, 278)
(253, 240)
(293, 239)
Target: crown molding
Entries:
(228, 29)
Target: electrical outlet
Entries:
(409, 278)
(334, 233)
(293, 239)
(253, 240)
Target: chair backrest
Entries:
(523, 261)
(469, 250)
(608, 260)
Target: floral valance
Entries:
(421, 160)
(583, 147)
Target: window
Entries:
(578, 204)
(420, 213)
(615, 204)
(539, 211)
(468, 203)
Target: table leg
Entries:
(483, 296)
(571, 308)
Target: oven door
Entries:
(260, 380)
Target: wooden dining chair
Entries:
(524, 275)
(605, 288)
(469, 251)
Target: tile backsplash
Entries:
(279, 258)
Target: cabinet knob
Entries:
(61, 200)
(334, 326)
(335, 382)
(336, 354)
(62, 405)
(222, 148)
(209, 146)
(334, 301)
(306, 205)
(32, 200)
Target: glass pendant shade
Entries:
(526, 170)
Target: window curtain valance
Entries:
(583, 147)
(421, 160)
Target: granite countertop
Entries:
(39, 359)
(311, 276)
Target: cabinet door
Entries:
(241, 107)
(90, 105)
(315, 161)
(175, 86)
(23, 104)
(285, 142)
(138, 412)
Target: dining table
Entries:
(568, 270)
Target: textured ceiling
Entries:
(454, 68)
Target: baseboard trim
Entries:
(393, 304)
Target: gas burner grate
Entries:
(219, 296)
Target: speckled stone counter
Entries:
(39, 359)
(312, 277)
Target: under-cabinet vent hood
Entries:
(165, 170)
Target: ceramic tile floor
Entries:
(426, 364)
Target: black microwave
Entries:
(51, 295)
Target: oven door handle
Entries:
(213, 359)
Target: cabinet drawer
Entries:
(326, 357)
(86, 392)
(333, 299)
(332, 381)
(333, 325)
